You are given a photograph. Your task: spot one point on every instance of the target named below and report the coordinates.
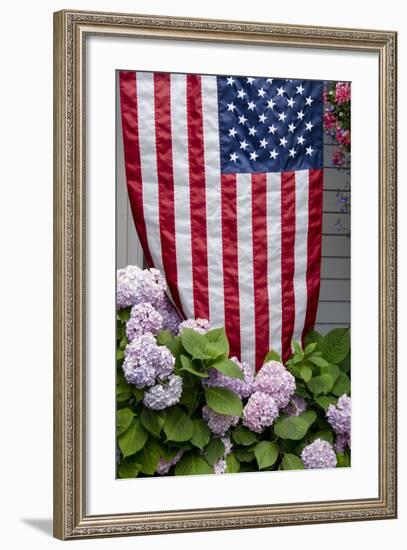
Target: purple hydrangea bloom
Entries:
(144, 318)
(273, 378)
(164, 466)
(295, 407)
(319, 454)
(342, 442)
(170, 316)
(198, 325)
(135, 286)
(228, 445)
(165, 394)
(220, 466)
(339, 416)
(243, 388)
(145, 361)
(260, 411)
(218, 423)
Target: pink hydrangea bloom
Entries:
(329, 120)
(342, 92)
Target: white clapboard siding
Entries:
(334, 297)
(334, 300)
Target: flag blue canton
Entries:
(270, 125)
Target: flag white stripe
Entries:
(213, 199)
(274, 258)
(245, 267)
(148, 160)
(181, 191)
(300, 252)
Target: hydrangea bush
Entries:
(185, 407)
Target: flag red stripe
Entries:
(197, 196)
(163, 139)
(259, 241)
(128, 104)
(230, 262)
(287, 260)
(314, 245)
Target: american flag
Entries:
(224, 177)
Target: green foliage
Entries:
(189, 366)
(228, 368)
(149, 456)
(272, 356)
(214, 450)
(342, 385)
(223, 401)
(178, 426)
(232, 464)
(291, 427)
(321, 384)
(291, 462)
(200, 347)
(124, 418)
(124, 391)
(336, 345)
(343, 459)
(266, 454)
(243, 436)
(133, 439)
(202, 433)
(164, 337)
(123, 315)
(322, 373)
(153, 421)
(192, 464)
(128, 468)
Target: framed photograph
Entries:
(225, 274)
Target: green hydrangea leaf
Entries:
(228, 368)
(128, 468)
(266, 454)
(164, 337)
(133, 439)
(178, 426)
(149, 456)
(321, 384)
(291, 427)
(214, 450)
(192, 464)
(223, 401)
(124, 418)
(342, 385)
(291, 462)
(188, 365)
(272, 355)
(243, 436)
(232, 464)
(153, 421)
(336, 345)
(202, 433)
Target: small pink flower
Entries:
(329, 120)
(338, 157)
(342, 136)
(342, 92)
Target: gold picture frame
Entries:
(70, 31)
